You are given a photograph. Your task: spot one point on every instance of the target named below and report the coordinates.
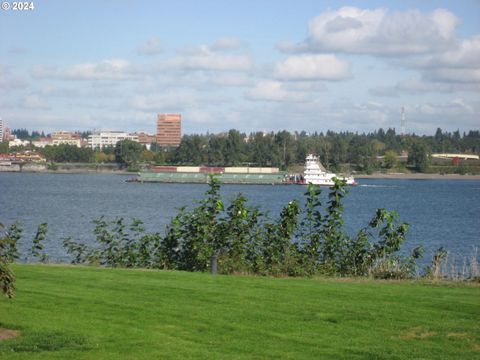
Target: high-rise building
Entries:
(169, 130)
(1, 129)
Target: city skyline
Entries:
(305, 65)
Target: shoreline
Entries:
(417, 176)
(384, 176)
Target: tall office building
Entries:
(169, 130)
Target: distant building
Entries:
(18, 142)
(23, 156)
(66, 137)
(1, 130)
(146, 139)
(108, 138)
(42, 142)
(7, 134)
(169, 130)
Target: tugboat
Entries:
(316, 174)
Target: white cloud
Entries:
(455, 114)
(455, 107)
(110, 69)
(454, 75)
(176, 99)
(9, 81)
(463, 104)
(55, 91)
(274, 91)
(169, 100)
(460, 64)
(227, 43)
(312, 67)
(33, 101)
(200, 116)
(378, 32)
(43, 71)
(211, 61)
(230, 79)
(152, 46)
(221, 44)
(209, 57)
(417, 86)
(466, 54)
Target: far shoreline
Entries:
(416, 176)
(376, 175)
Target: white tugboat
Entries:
(316, 174)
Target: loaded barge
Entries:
(227, 175)
(314, 173)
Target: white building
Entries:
(1, 130)
(107, 138)
(18, 142)
(42, 142)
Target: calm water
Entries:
(440, 212)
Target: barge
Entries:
(314, 173)
(226, 175)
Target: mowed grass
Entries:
(66, 312)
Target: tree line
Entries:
(282, 149)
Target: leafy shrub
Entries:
(117, 245)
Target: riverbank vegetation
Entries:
(302, 241)
(342, 152)
(235, 238)
(65, 312)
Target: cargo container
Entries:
(212, 169)
(268, 170)
(188, 169)
(164, 169)
(236, 170)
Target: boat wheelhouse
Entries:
(316, 174)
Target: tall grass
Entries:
(458, 267)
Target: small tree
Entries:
(390, 159)
(128, 152)
(8, 254)
(418, 156)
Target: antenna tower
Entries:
(402, 123)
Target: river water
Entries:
(440, 212)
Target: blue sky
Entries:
(249, 65)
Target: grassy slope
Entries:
(92, 313)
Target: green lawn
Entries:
(91, 313)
